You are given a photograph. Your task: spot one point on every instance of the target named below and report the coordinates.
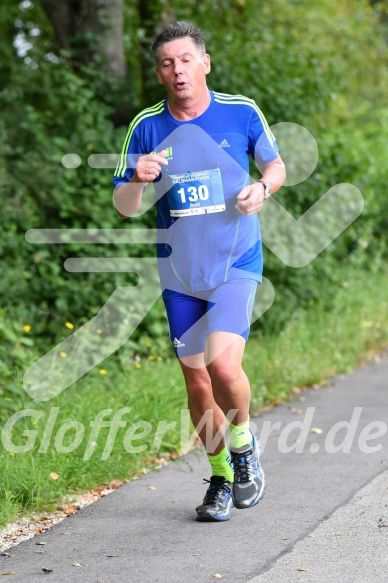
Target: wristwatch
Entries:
(267, 188)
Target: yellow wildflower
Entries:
(69, 325)
(27, 328)
(138, 365)
(160, 358)
(99, 331)
(12, 454)
(63, 354)
(151, 357)
(102, 371)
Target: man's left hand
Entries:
(251, 198)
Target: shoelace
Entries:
(241, 466)
(214, 490)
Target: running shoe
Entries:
(249, 481)
(217, 502)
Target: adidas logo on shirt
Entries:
(224, 144)
(177, 344)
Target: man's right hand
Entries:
(149, 167)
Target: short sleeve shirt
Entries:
(200, 251)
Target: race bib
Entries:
(196, 193)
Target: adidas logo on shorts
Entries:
(177, 344)
(224, 144)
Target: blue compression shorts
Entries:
(227, 308)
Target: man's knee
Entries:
(223, 371)
(198, 383)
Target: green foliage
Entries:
(16, 353)
(51, 111)
(320, 65)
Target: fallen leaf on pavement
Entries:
(303, 569)
(40, 543)
(69, 510)
(316, 430)
(218, 576)
(47, 570)
(296, 411)
(8, 573)
(152, 487)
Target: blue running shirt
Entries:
(203, 240)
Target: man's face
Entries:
(182, 69)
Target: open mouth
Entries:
(180, 85)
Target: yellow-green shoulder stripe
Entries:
(149, 112)
(230, 96)
(227, 99)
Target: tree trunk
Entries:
(154, 15)
(92, 30)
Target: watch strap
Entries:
(267, 188)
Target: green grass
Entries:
(314, 345)
(153, 393)
(319, 343)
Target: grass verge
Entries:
(65, 452)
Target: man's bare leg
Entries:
(223, 357)
(202, 405)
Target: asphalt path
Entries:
(325, 510)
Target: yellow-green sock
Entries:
(240, 435)
(221, 465)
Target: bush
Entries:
(50, 110)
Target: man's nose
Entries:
(178, 67)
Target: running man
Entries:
(195, 147)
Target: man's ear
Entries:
(206, 62)
(159, 76)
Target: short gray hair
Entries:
(179, 29)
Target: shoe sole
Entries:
(213, 519)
